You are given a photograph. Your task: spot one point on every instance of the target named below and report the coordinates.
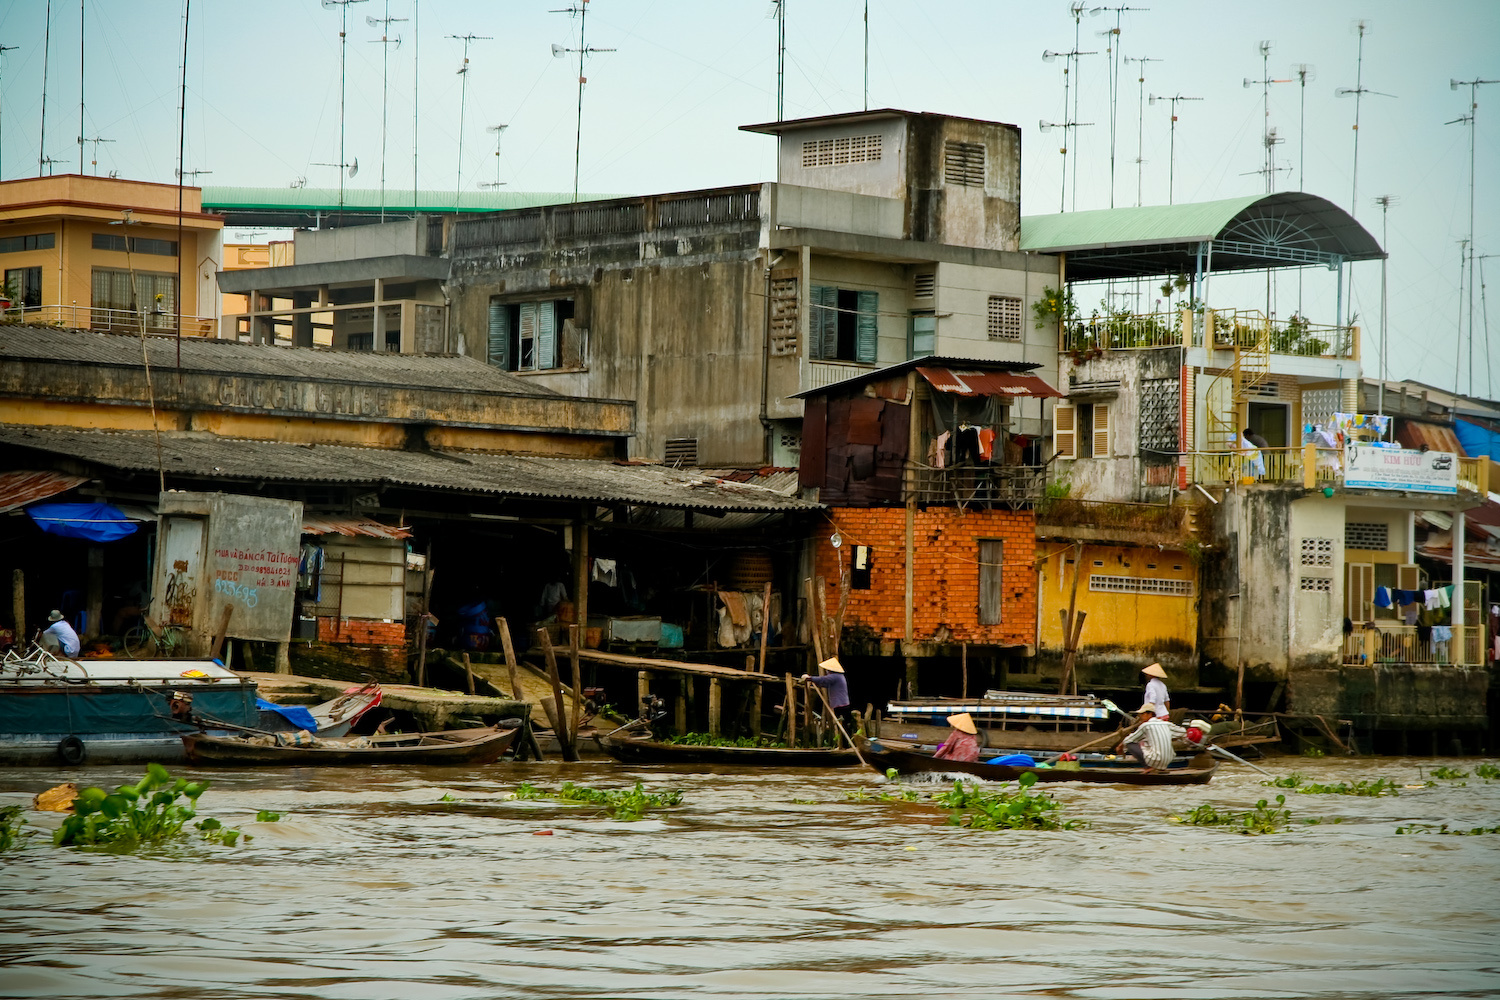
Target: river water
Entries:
(761, 884)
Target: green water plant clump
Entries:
(1487, 771)
(977, 808)
(623, 804)
(1366, 787)
(11, 834)
(151, 812)
(1443, 829)
(1448, 773)
(1264, 818)
(705, 740)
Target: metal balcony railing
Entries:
(1228, 328)
(1121, 331)
(977, 484)
(1311, 466)
(73, 317)
(1401, 644)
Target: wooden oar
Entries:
(1239, 760)
(824, 695)
(1084, 746)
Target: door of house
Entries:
(181, 566)
(1269, 420)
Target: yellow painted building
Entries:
(1142, 602)
(102, 253)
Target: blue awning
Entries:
(94, 522)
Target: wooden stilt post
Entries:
(765, 628)
(642, 689)
(715, 706)
(754, 697)
(963, 691)
(679, 706)
(219, 636)
(503, 627)
(18, 606)
(790, 712)
(469, 673)
(575, 636)
(560, 718)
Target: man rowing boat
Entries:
(1151, 742)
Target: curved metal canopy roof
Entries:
(1286, 229)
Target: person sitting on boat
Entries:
(963, 742)
(835, 686)
(1151, 742)
(1156, 689)
(59, 637)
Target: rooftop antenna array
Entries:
(579, 10)
(386, 42)
(1172, 142)
(777, 10)
(416, 79)
(867, 55)
(1470, 120)
(1070, 120)
(1112, 56)
(1358, 90)
(96, 140)
(342, 6)
(81, 51)
(463, 100)
(1268, 139)
(499, 131)
(43, 161)
(1385, 202)
(184, 174)
(1303, 72)
(1140, 121)
(3, 49)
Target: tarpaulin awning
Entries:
(974, 382)
(1416, 433)
(93, 522)
(1477, 439)
(297, 715)
(19, 488)
(351, 526)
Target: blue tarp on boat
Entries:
(93, 522)
(295, 714)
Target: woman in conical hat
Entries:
(963, 742)
(1156, 689)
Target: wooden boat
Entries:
(334, 717)
(452, 747)
(882, 757)
(639, 751)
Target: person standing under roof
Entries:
(1156, 689)
(963, 742)
(59, 637)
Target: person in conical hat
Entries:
(835, 686)
(1156, 689)
(963, 742)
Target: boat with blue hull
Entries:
(60, 711)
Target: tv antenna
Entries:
(1047, 126)
(386, 42)
(1303, 72)
(96, 140)
(48, 161)
(1470, 120)
(82, 50)
(3, 49)
(579, 10)
(299, 182)
(185, 174)
(351, 168)
(249, 234)
(1112, 56)
(1140, 121)
(778, 11)
(1484, 312)
(1359, 90)
(1172, 140)
(1070, 122)
(1267, 140)
(1385, 202)
(499, 131)
(342, 6)
(463, 99)
(42, 162)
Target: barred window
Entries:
(1004, 319)
(845, 149)
(1367, 535)
(1317, 552)
(1156, 585)
(1159, 416)
(1316, 584)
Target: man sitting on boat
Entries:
(59, 637)
(1151, 742)
(963, 742)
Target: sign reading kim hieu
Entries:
(1400, 469)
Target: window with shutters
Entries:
(525, 336)
(991, 580)
(963, 163)
(1065, 430)
(843, 324)
(1003, 321)
(1359, 591)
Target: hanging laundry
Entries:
(1409, 613)
(605, 572)
(1424, 633)
(1382, 597)
(1431, 599)
(1445, 597)
(310, 571)
(940, 456)
(966, 444)
(986, 443)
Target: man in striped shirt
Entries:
(1151, 742)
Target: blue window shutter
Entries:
(546, 335)
(867, 332)
(499, 334)
(823, 325)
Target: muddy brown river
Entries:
(761, 884)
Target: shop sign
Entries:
(1371, 468)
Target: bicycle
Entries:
(149, 640)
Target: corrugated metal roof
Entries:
(971, 382)
(902, 367)
(19, 488)
(1416, 433)
(201, 456)
(230, 198)
(327, 525)
(228, 357)
(1187, 223)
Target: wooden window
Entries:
(844, 324)
(991, 580)
(1359, 590)
(1101, 430)
(1408, 577)
(524, 336)
(1003, 321)
(1065, 430)
(499, 334)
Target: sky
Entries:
(662, 111)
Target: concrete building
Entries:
(888, 235)
(107, 254)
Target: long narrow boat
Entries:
(457, 746)
(637, 751)
(334, 717)
(882, 757)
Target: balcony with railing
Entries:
(978, 484)
(1218, 329)
(152, 322)
(1309, 466)
(1453, 646)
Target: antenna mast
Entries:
(463, 100)
(581, 11)
(780, 7)
(499, 131)
(1172, 144)
(187, 8)
(1358, 90)
(1470, 119)
(867, 55)
(385, 42)
(3, 49)
(42, 160)
(1069, 123)
(1140, 122)
(343, 7)
(416, 79)
(1268, 134)
(1385, 202)
(81, 51)
(1112, 55)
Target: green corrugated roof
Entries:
(1191, 223)
(368, 200)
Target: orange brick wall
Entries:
(362, 631)
(945, 582)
